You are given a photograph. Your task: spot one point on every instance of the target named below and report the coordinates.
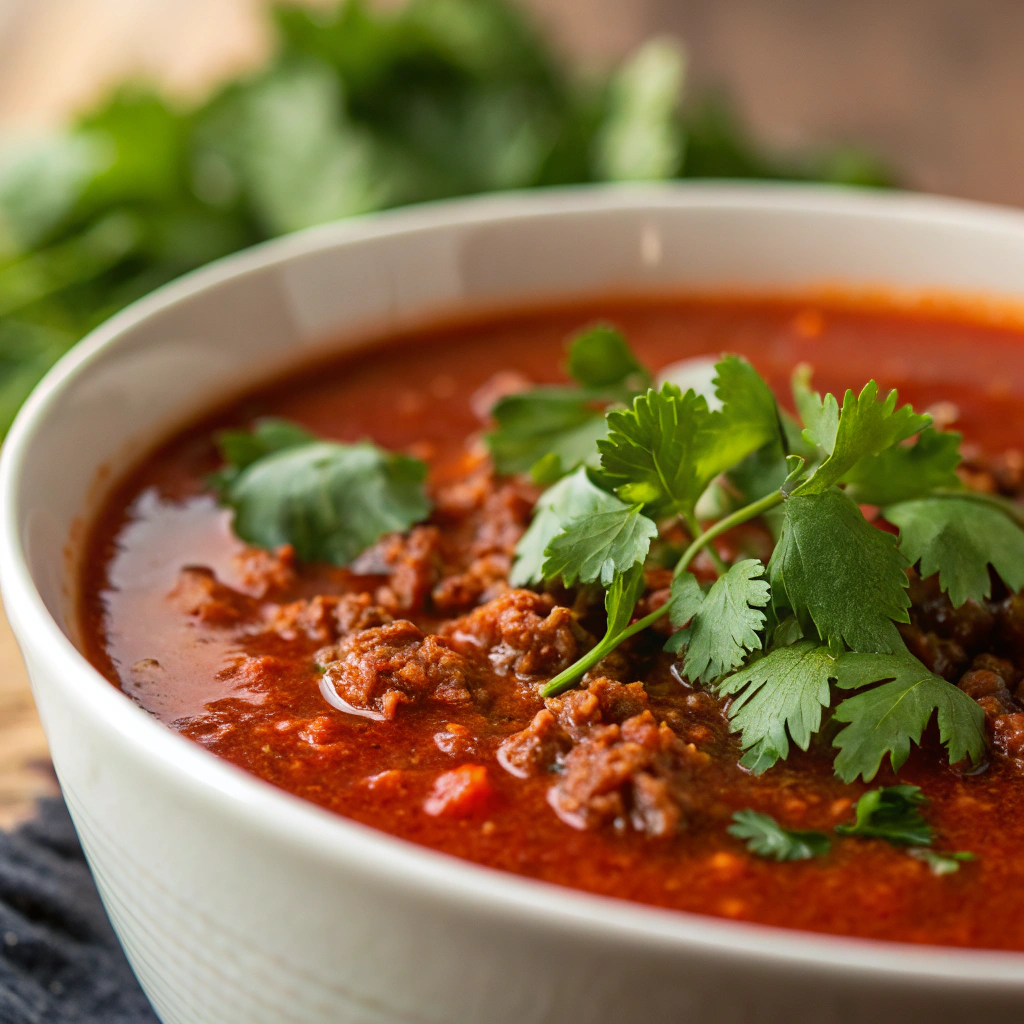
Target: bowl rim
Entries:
(332, 838)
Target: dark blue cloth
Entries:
(60, 962)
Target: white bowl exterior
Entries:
(236, 902)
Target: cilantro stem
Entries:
(568, 678)
(694, 527)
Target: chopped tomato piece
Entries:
(459, 793)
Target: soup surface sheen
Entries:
(220, 641)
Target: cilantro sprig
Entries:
(835, 582)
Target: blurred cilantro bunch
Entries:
(358, 110)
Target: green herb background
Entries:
(357, 111)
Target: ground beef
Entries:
(616, 665)
(266, 573)
(325, 618)
(603, 701)
(198, 593)
(618, 701)
(970, 626)
(484, 517)
(254, 672)
(413, 561)
(465, 492)
(567, 720)
(536, 748)
(376, 670)
(1009, 632)
(939, 654)
(485, 579)
(992, 680)
(629, 775)
(980, 683)
(521, 633)
(490, 516)
(1008, 734)
(616, 764)
(1002, 667)
(988, 682)
(993, 474)
(456, 740)
(315, 619)
(504, 517)
(357, 611)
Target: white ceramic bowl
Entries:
(239, 904)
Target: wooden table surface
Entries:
(934, 85)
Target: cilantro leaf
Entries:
(573, 496)
(888, 718)
(552, 430)
(560, 422)
(642, 138)
(891, 813)
(685, 600)
(767, 838)
(331, 501)
(777, 698)
(599, 545)
(787, 632)
(241, 448)
(601, 359)
(666, 449)
(903, 472)
(297, 172)
(727, 623)
(621, 597)
(866, 427)
(820, 416)
(959, 538)
(749, 417)
(41, 182)
(940, 862)
(650, 455)
(839, 574)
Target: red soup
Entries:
(403, 688)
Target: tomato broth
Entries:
(227, 643)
